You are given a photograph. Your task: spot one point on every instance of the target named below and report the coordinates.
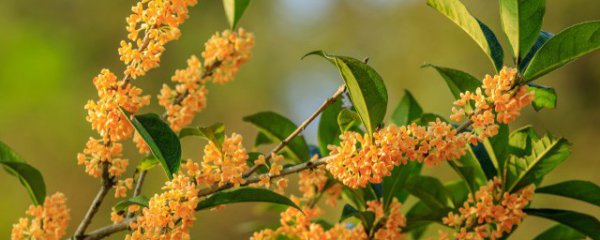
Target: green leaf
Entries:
(458, 81)
(245, 194)
(138, 200)
(347, 119)
(560, 232)
(354, 196)
(214, 133)
(29, 176)
(497, 148)
(430, 190)
(278, 128)
(329, 130)
(545, 97)
(576, 189)
(568, 45)
(426, 118)
(324, 223)
(366, 217)
(394, 185)
(583, 223)
(479, 32)
(533, 157)
(148, 163)
(234, 9)
(407, 111)
(420, 215)
(261, 139)
(542, 38)
(252, 156)
(470, 171)
(522, 22)
(366, 88)
(163, 142)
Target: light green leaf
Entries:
(576, 189)
(29, 176)
(522, 22)
(568, 45)
(278, 128)
(234, 9)
(138, 200)
(497, 148)
(347, 119)
(245, 194)
(163, 142)
(407, 111)
(329, 130)
(583, 223)
(214, 133)
(479, 32)
(560, 232)
(148, 163)
(470, 171)
(366, 88)
(458, 81)
(545, 97)
(533, 157)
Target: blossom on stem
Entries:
(490, 213)
(48, 221)
(225, 52)
(224, 164)
(97, 152)
(392, 223)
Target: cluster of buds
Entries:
(392, 223)
(223, 164)
(490, 213)
(48, 221)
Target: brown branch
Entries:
(107, 183)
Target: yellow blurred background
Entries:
(51, 50)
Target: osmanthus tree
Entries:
(369, 163)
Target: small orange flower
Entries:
(48, 221)
(226, 164)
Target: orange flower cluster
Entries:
(170, 214)
(360, 160)
(491, 213)
(188, 98)
(499, 94)
(48, 222)
(393, 222)
(159, 21)
(122, 186)
(225, 164)
(107, 118)
(225, 52)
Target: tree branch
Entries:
(107, 183)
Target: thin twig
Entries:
(107, 183)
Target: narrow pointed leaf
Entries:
(138, 200)
(567, 46)
(576, 189)
(542, 38)
(479, 32)
(29, 176)
(470, 171)
(522, 22)
(560, 232)
(458, 81)
(234, 9)
(583, 223)
(261, 139)
(407, 111)
(278, 128)
(329, 130)
(245, 194)
(366, 88)
(347, 119)
(163, 142)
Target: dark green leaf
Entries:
(497, 147)
(261, 139)
(324, 223)
(234, 9)
(245, 194)
(139, 200)
(347, 119)
(568, 45)
(163, 142)
(545, 97)
(542, 38)
(253, 156)
(470, 171)
(29, 176)
(479, 32)
(393, 185)
(430, 190)
(354, 196)
(576, 189)
(329, 130)
(539, 157)
(420, 215)
(560, 232)
(347, 212)
(522, 22)
(583, 223)
(459, 191)
(366, 88)
(214, 133)
(458, 81)
(407, 111)
(485, 161)
(426, 118)
(278, 128)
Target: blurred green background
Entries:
(51, 50)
